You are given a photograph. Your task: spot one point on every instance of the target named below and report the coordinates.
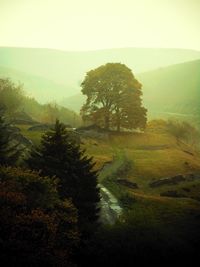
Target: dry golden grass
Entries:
(154, 156)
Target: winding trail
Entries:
(110, 207)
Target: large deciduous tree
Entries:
(113, 98)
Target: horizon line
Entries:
(101, 49)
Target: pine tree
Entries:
(60, 156)
(10, 150)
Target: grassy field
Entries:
(34, 136)
(141, 158)
(153, 155)
(167, 225)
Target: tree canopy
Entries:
(37, 228)
(113, 98)
(11, 96)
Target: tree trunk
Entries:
(118, 120)
(118, 126)
(107, 122)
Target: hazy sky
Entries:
(92, 24)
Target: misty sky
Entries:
(91, 24)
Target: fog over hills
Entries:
(173, 89)
(67, 69)
(56, 75)
(44, 90)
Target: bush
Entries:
(36, 227)
(127, 200)
(184, 131)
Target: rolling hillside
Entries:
(74, 102)
(173, 90)
(153, 155)
(42, 89)
(67, 69)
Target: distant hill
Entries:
(173, 90)
(48, 69)
(42, 89)
(74, 102)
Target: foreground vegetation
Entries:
(48, 198)
(161, 227)
(36, 227)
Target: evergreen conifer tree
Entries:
(59, 155)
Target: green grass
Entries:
(34, 136)
(118, 168)
(152, 156)
(169, 226)
(166, 224)
(150, 231)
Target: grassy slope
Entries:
(174, 219)
(167, 223)
(34, 136)
(153, 156)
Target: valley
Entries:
(148, 173)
